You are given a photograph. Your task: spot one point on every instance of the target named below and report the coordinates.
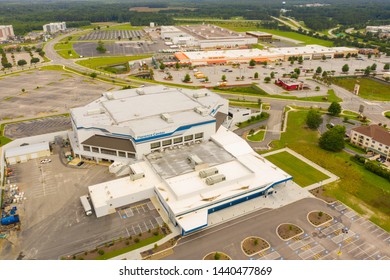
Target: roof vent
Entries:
(136, 172)
(96, 111)
(215, 179)
(200, 94)
(167, 117)
(140, 91)
(201, 111)
(194, 160)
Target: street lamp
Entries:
(344, 231)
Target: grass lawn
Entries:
(4, 140)
(369, 89)
(303, 174)
(138, 245)
(358, 188)
(259, 118)
(52, 67)
(122, 27)
(257, 137)
(242, 103)
(105, 61)
(354, 148)
(387, 114)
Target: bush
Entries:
(155, 233)
(136, 240)
(101, 252)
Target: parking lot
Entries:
(348, 236)
(53, 222)
(112, 35)
(46, 92)
(37, 127)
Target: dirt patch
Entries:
(288, 231)
(215, 256)
(317, 218)
(146, 255)
(253, 245)
(320, 193)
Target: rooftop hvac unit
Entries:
(96, 111)
(136, 172)
(208, 172)
(140, 91)
(167, 117)
(200, 94)
(109, 95)
(215, 179)
(194, 160)
(201, 111)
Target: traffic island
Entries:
(320, 194)
(288, 231)
(216, 256)
(253, 245)
(318, 218)
(160, 251)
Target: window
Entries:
(199, 135)
(354, 138)
(87, 148)
(178, 140)
(188, 137)
(95, 150)
(108, 152)
(373, 141)
(122, 154)
(155, 145)
(167, 142)
(379, 149)
(380, 145)
(130, 155)
(372, 146)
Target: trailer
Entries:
(9, 220)
(86, 205)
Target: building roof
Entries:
(28, 149)
(110, 143)
(376, 132)
(141, 113)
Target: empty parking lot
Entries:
(36, 93)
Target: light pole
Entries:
(345, 231)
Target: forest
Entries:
(26, 15)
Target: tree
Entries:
(252, 63)
(93, 75)
(177, 65)
(373, 67)
(22, 62)
(223, 78)
(345, 68)
(348, 55)
(300, 60)
(324, 74)
(272, 75)
(334, 109)
(100, 48)
(119, 37)
(187, 78)
(319, 70)
(323, 57)
(367, 71)
(256, 75)
(313, 119)
(387, 66)
(162, 66)
(34, 60)
(42, 53)
(267, 79)
(7, 65)
(298, 71)
(333, 139)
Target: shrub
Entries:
(101, 252)
(136, 240)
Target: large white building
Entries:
(6, 31)
(194, 181)
(308, 52)
(54, 27)
(128, 124)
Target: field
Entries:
(65, 49)
(369, 89)
(105, 61)
(303, 174)
(360, 189)
(257, 137)
(307, 40)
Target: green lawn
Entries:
(360, 189)
(98, 62)
(259, 118)
(387, 114)
(243, 103)
(4, 140)
(303, 174)
(369, 89)
(123, 27)
(257, 137)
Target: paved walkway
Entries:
(331, 178)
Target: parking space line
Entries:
(127, 231)
(150, 221)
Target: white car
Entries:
(46, 160)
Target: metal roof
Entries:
(28, 149)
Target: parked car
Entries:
(80, 163)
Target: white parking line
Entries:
(127, 232)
